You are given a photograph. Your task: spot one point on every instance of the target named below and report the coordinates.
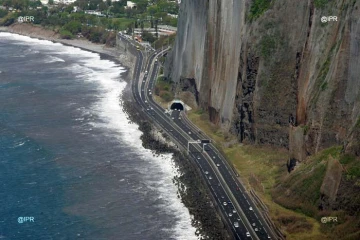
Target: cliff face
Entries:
(284, 78)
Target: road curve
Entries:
(237, 208)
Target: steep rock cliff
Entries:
(284, 78)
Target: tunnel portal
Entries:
(177, 104)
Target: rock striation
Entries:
(281, 76)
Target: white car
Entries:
(189, 132)
(218, 165)
(224, 203)
(206, 172)
(173, 118)
(247, 234)
(230, 214)
(234, 211)
(253, 224)
(256, 229)
(146, 101)
(210, 177)
(250, 208)
(236, 224)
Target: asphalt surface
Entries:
(231, 197)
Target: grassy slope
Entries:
(261, 168)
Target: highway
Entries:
(237, 209)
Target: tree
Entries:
(74, 27)
(65, 34)
(102, 6)
(146, 36)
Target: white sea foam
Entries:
(51, 59)
(162, 171)
(159, 176)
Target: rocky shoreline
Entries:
(192, 188)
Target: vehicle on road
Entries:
(224, 203)
(230, 214)
(250, 208)
(236, 224)
(253, 224)
(247, 234)
(206, 172)
(218, 165)
(137, 47)
(234, 210)
(256, 229)
(210, 177)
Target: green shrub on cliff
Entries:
(258, 7)
(65, 34)
(3, 13)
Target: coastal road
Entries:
(236, 207)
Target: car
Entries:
(222, 197)
(230, 214)
(179, 110)
(229, 202)
(175, 109)
(173, 118)
(234, 210)
(269, 237)
(210, 177)
(236, 224)
(146, 72)
(156, 60)
(224, 203)
(253, 224)
(189, 132)
(146, 101)
(206, 172)
(149, 93)
(247, 234)
(218, 165)
(179, 118)
(171, 130)
(151, 108)
(250, 208)
(148, 109)
(214, 157)
(256, 229)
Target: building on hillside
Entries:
(66, 2)
(130, 5)
(172, 15)
(163, 30)
(93, 12)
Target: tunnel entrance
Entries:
(177, 105)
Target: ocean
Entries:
(72, 166)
